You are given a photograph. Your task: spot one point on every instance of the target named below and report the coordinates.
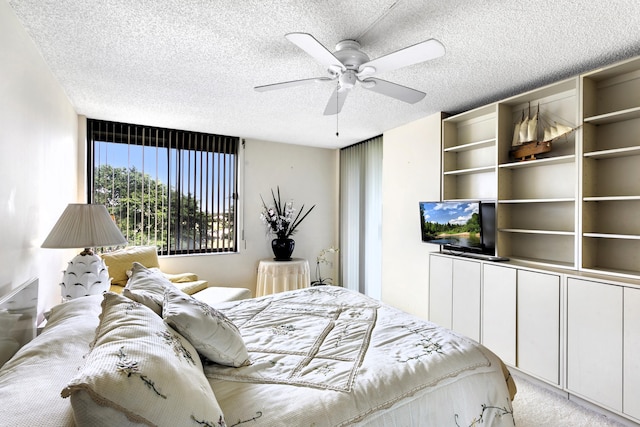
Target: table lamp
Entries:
(84, 226)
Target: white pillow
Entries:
(142, 368)
(30, 381)
(209, 330)
(146, 286)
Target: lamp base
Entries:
(85, 275)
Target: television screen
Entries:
(453, 224)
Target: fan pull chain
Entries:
(337, 106)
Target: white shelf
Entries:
(570, 158)
(471, 146)
(610, 198)
(616, 116)
(606, 271)
(486, 112)
(612, 236)
(616, 152)
(542, 262)
(522, 201)
(542, 232)
(483, 169)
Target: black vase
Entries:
(282, 248)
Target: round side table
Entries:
(279, 276)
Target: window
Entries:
(173, 189)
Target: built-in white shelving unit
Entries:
(576, 206)
(468, 158)
(569, 221)
(537, 199)
(537, 207)
(611, 169)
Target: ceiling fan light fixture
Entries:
(347, 80)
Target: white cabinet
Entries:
(440, 290)
(454, 294)
(499, 311)
(514, 312)
(594, 341)
(577, 331)
(521, 319)
(631, 355)
(466, 298)
(538, 329)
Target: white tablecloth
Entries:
(279, 276)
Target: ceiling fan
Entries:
(348, 65)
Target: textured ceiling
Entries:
(192, 64)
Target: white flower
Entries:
(322, 257)
(281, 219)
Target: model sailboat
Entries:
(526, 145)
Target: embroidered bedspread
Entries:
(320, 337)
(327, 356)
(318, 341)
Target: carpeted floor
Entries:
(534, 406)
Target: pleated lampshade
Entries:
(84, 226)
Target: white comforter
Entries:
(329, 356)
(322, 356)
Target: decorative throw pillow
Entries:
(142, 368)
(147, 286)
(120, 261)
(209, 330)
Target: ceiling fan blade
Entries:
(336, 101)
(424, 51)
(393, 90)
(291, 83)
(314, 48)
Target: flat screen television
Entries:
(467, 226)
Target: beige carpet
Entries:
(534, 406)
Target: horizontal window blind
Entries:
(173, 189)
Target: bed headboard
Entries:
(18, 318)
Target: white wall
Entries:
(307, 175)
(37, 162)
(410, 173)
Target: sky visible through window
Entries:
(153, 162)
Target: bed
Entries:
(321, 356)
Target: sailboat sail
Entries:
(553, 132)
(516, 132)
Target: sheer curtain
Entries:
(361, 217)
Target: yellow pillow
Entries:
(121, 261)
